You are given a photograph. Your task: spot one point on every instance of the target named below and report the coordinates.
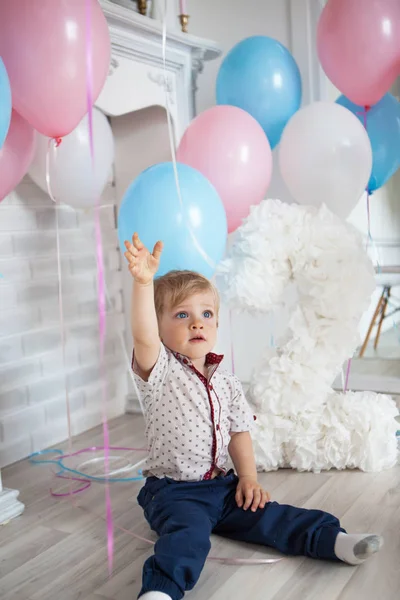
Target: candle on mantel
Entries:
(182, 7)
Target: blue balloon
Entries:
(383, 128)
(152, 208)
(260, 76)
(5, 103)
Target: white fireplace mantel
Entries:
(136, 78)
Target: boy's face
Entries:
(191, 327)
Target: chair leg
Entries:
(383, 312)
(371, 325)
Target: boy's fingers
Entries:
(239, 498)
(129, 257)
(249, 499)
(136, 242)
(257, 500)
(158, 248)
(264, 499)
(131, 249)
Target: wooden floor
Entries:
(55, 551)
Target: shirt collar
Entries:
(211, 359)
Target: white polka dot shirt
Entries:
(189, 417)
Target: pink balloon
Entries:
(16, 154)
(358, 46)
(231, 149)
(43, 45)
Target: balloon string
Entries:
(201, 251)
(52, 145)
(368, 218)
(85, 485)
(369, 236)
(349, 362)
(370, 239)
(101, 287)
(89, 77)
(62, 329)
(364, 114)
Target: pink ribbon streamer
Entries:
(85, 485)
(348, 369)
(101, 289)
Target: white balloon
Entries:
(325, 157)
(73, 178)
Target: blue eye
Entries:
(182, 315)
(207, 314)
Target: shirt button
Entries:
(217, 427)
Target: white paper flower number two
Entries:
(301, 421)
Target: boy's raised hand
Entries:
(142, 265)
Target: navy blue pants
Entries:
(185, 514)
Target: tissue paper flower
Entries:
(302, 423)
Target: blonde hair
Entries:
(174, 287)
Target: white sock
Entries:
(155, 596)
(354, 549)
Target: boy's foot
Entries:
(354, 549)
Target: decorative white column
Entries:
(10, 506)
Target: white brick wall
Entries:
(32, 379)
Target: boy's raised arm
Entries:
(143, 266)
